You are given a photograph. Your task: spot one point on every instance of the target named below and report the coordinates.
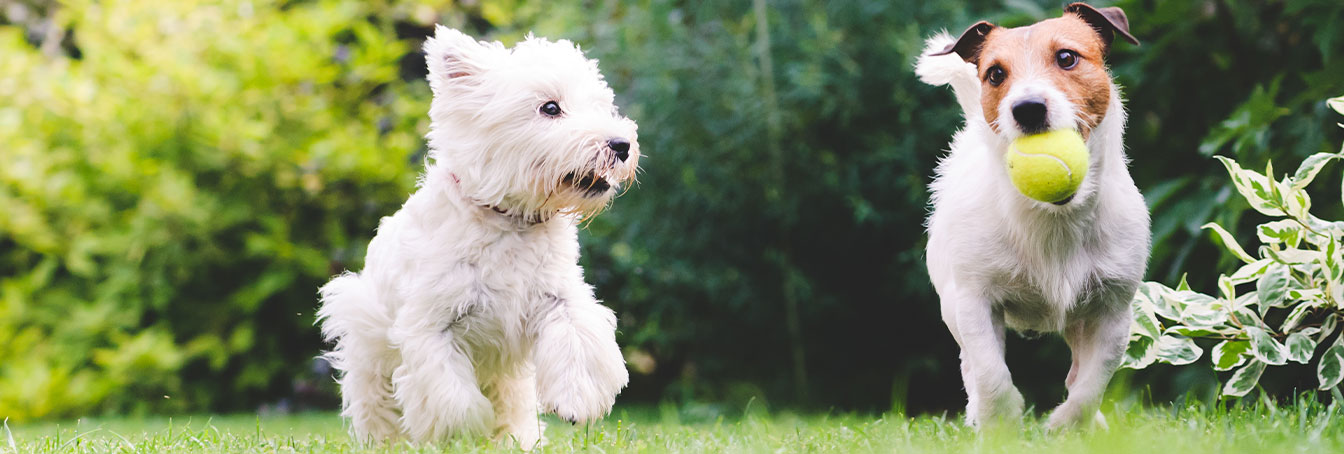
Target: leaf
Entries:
(1229, 354)
(1254, 187)
(1177, 351)
(1244, 379)
(1151, 296)
(1331, 368)
(1145, 322)
(1191, 331)
(1272, 286)
(1284, 231)
(1310, 167)
(1328, 327)
(1229, 242)
(1292, 256)
(1140, 353)
(1332, 263)
(1200, 310)
(1296, 202)
(1228, 287)
(1300, 348)
(1337, 104)
(1295, 317)
(1265, 348)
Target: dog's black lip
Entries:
(1064, 202)
(589, 183)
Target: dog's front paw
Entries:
(1069, 415)
(1005, 407)
(437, 406)
(587, 397)
(583, 392)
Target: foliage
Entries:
(1305, 427)
(1296, 303)
(180, 178)
(774, 245)
(174, 193)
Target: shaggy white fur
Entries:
(471, 313)
(998, 258)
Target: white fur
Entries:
(998, 258)
(471, 312)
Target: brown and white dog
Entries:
(999, 259)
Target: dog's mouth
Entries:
(1063, 202)
(589, 183)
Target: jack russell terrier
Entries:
(1000, 259)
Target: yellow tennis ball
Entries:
(1049, 166)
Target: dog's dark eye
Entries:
(1066, 59)
(550, 109)
(996, 75)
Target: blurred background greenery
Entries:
(178, 178)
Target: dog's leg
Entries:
(436, 384)
(580, 369)
(992, 398)
(1098, 345)
(514, 396)
(351, 317)
(366, 388)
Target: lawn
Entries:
(1256, 429)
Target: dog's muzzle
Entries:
(589, 183)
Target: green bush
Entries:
(179, 178)
(1296, 303)
(173, 195)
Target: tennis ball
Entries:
(1049, 166)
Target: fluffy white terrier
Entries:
(998, 258)
(471, 313)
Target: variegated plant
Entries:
(1297, 277)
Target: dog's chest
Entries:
(512, 275)
(1046, 277)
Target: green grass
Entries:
(1303, 428)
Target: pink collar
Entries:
(458, 182)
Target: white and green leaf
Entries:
(1244, 379)
(1152, 297)
(1300, 348)
(1337, 104)
(1296, 316)
(1254, 187)
(1310, 167)
(1328, 327)
(1272, 287)
(1282, 231)
(1292, 256)
(1229, 242)
(1330, 370)
(1201, 311)
(1229, 354)
(1140, 353)
(1265, 347)
(1250, 271)
(1177, 351)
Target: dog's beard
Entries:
(584, 192)
(588, 184)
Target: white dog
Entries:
(471, 313)
(998, 258)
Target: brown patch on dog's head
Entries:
(1068, 52)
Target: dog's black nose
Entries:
(621, 147)
(1030, 115)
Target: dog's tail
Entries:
(951, 70)
(349, 305)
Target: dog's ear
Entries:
(452, 55)
(1108, 22)
(968, 45)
